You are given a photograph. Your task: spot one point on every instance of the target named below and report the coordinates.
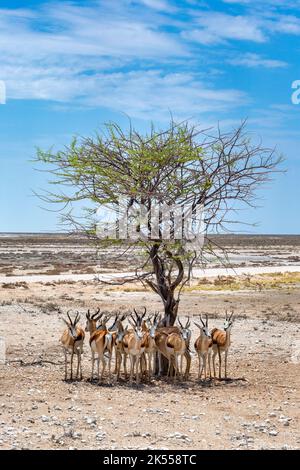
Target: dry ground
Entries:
(53, 254)
(258, 408)
(39, 410)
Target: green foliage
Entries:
(171, 166)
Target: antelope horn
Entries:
(137, 315)
(115, 321)
(201, 320)
(206, 322)
(143, 315)
(69, 317)
(95, 314)
(179, 322)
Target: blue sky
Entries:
(70, 66)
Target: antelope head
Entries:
(154, 324)
(103, 321)
(71, 324)
(121, 332)
(138, 324)
(91, 320)
(184, 330)
(228, 322)
(203, 327)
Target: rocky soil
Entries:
(258, 408)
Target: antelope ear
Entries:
(65, 321)
(197, 324)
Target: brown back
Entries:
(96, 335)
(218, 336)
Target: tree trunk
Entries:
(165, 288)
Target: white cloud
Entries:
(16, 13)
(254, 60)
(216, 27)
(76, 55)
(86, 31)
(154, 93)
(161, 5)
(270, 3)
(139, 94)
(287, 24)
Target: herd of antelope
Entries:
(147, 342)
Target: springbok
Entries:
(110, 338)
(188, 340)
(221, 342)
(101, 340)
(178, 345)
(134, 345)
(72, 340)
(203, 347)
(120, 351)
(91, 321)
(173, 334)
(150, 345)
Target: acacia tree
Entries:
(180, 166)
